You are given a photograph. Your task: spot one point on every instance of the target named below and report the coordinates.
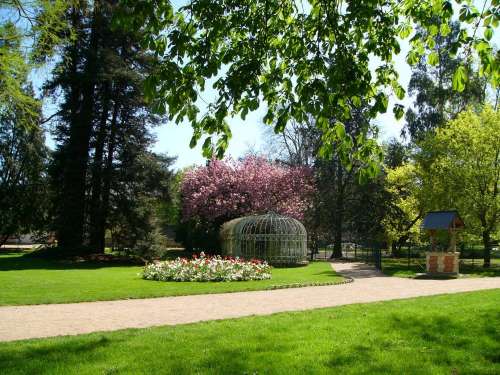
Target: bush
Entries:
(205, 268)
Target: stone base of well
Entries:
(442, 263)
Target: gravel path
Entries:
(23, 322)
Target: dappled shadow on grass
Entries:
(53, 354)
(25, 262)
(422, 344)
(17, 261)
(493, 271)
(400, 267)
(413, 337)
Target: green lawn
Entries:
(448, 334)
(399, 267)
(34, 281)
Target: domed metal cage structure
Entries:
(277, 239)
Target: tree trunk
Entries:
(107, 177)
(72, 210)
(95, 211)
(339, 214)
(487, 249)
(3, 239)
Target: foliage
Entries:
(346, 205)
(104, 177)
(205, 268)
(38, 24)
(40, 281)
(431, 84)
(298, 60)
(224, 190)
(396, 153)
(13, 77)
(461, 169)
(229, 189)
(401, 222)
(453, 333)
(23, 162)
(140, 185)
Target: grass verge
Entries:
(447, 334)
(27, 281)
(399, 267)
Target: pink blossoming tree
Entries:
(227, 189)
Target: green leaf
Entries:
(412, 58)
(400, 92)
(444, 29)
(398, 111)
(433, 58)
(381, 103)
(460, 79)
(207, 148)
(488, 33)
(356, 101)
(340, 130)
(405, 31)
(433, 30)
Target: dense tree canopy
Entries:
(300, 59)
(461, 169)
(23, 180)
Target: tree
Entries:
(224, 190)
(141, 186)
(396, 154)
(297, 145)
(461, 167)
(23, 182)
(14, 70)
(299, 60)
(405, 206)
(39, 25)
(102, 127)
(431, 84)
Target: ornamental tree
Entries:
(226, 189)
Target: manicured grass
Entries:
(399, 267)
(35, 281)
(448, 334)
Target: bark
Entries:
(3, 239)
(487, 248)
(339, 213)
(107, 177)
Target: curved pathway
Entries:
(23, 322)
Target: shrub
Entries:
(205, 268)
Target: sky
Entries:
(247, 135)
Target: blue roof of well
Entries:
(440, 220)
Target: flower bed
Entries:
(206, 268)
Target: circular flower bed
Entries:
(206, 268)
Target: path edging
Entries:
(347, 280)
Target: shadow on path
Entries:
(356, 270)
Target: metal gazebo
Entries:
(277, 239)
